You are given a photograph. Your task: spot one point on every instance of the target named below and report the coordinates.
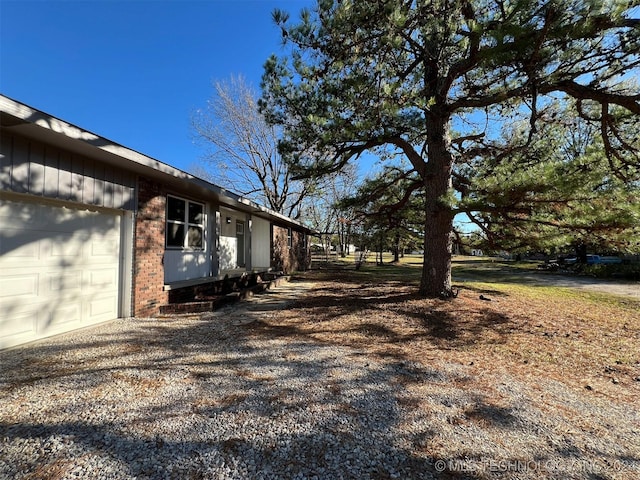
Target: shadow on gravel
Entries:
(207, 405)
(209, 397)
(444, 323)
(201, 398)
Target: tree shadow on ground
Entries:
(217, 403)
(274, 395)
(258, 390)
(448, 324)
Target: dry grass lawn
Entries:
(586, 340)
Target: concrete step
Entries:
(211, 303)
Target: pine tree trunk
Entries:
(436, 268)
(396, 249)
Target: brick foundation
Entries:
(195, 292)
(241, 291)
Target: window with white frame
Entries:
(185, 223)
(289, 238)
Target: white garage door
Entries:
(59, 269)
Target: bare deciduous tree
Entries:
(242, 149)
(324, 211)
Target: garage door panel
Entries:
(52, 218)
(106, 224)
(19, 326)
(104, 278)
(66, 316)
(101, 308)
(14, 285)
(59, 269)
(64, 220)
(68, 246)
(14, 248)
(107, 248)
(67, 282)
(72, 221)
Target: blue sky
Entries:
(133, 71)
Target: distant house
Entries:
(91, 230)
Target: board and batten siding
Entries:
(28, 166)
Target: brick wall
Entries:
(301, 251)
(285, 258)
(148, 278)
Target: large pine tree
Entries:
(436, 80)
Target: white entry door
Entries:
(59, 269)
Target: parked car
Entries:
(607, 260)
(594, 260)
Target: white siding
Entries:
(260, 243)
(228, 250)
(228, 253)
(185, 265)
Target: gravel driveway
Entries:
(205, 397)
(191, 397)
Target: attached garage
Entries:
(60, 268)
(66, 228)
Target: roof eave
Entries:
(33, 123)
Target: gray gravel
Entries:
(190, 397)
(202, 397)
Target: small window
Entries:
(289, 238)
(185, 224)
(196, 213)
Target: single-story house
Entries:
(91, 230)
